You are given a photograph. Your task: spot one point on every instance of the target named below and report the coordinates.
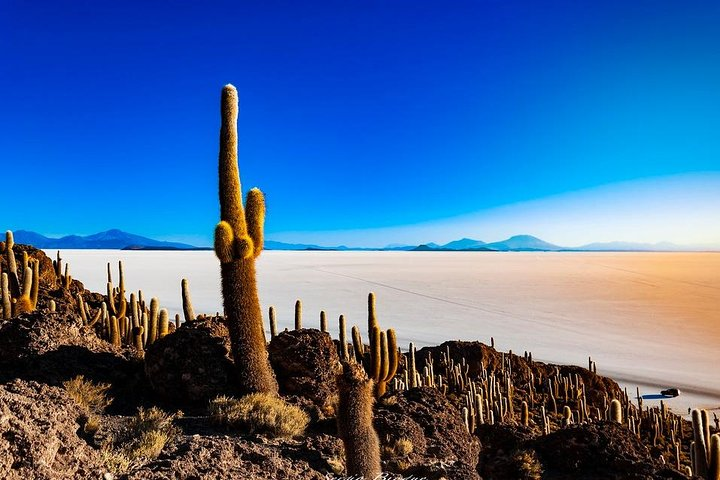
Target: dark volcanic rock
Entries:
(306, 364)
(38, 438)
(52, 348)
(191, 364)
(435, 429)
(598, 451)
(36, 333)
(221, 457)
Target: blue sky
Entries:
(365, 121)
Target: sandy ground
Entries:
(648, 319)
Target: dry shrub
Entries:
(114, 460)
(260, 412)
(89, 395)
(92, 425)
(528, 465)
(151, 429)
(401, 447)
(147, 434)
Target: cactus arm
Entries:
(255, 219)
(224, 240)
(393, 357)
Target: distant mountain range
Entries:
(111, 239)
(117, 239)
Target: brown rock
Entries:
(38, 438)
(306, 364)
(603, 450)
(191, 364)
(434, 426)
(222, 457)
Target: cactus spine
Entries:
(238, 242)
(355, 422)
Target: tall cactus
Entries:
(238, 242)
(355, 422)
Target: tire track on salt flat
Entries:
(532, 321)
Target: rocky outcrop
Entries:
(38, 435)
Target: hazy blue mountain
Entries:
(111, 239)
(464, 244)
(633, 247)
(523, 243)
(117, 239)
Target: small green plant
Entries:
(87, 394)
(260, 412)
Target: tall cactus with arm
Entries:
(238, 242)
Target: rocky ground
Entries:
(45, 434)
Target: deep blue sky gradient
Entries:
(354, 114)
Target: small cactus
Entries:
(163, 323)
(714, 467)
(524, 415)
(701, 442)
(323, 322)
(298, 315)
(616, 411)
(188, 310)
(273, 322)
(5, 291)
(343, 339)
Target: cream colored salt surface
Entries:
(647, 319)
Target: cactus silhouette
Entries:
(238, 242)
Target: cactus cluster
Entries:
(18, 297)
(382, 358)
(122, 322)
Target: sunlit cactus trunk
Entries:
(238, 242)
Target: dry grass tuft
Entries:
(114, 460)
(151, 429)
(92, 425)
(148, 432)
(89, 395)
(260, 412)
(528, 465)
(403, 446)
